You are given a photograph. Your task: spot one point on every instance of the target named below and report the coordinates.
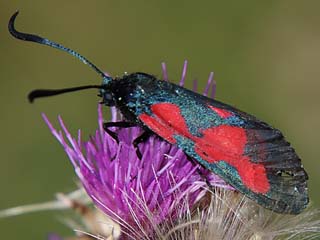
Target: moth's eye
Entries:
(107, 96)
(108, 99)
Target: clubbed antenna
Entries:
(41, 40)
(52, 92)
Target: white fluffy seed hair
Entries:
(225, 215)
(230, 215)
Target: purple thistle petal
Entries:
(206, 90)
(164, 72)
(113, 114)
(184, 72)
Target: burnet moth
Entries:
(247, 153)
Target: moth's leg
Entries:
(107, 125)
(112, 134)
(142, 138)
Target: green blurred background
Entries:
(265, 55)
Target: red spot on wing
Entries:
(166, 121)
(221, 112)
(227, 143)
(158, 127)
(171, 114)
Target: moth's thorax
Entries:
(129, 93)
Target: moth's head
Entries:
(106, 92)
